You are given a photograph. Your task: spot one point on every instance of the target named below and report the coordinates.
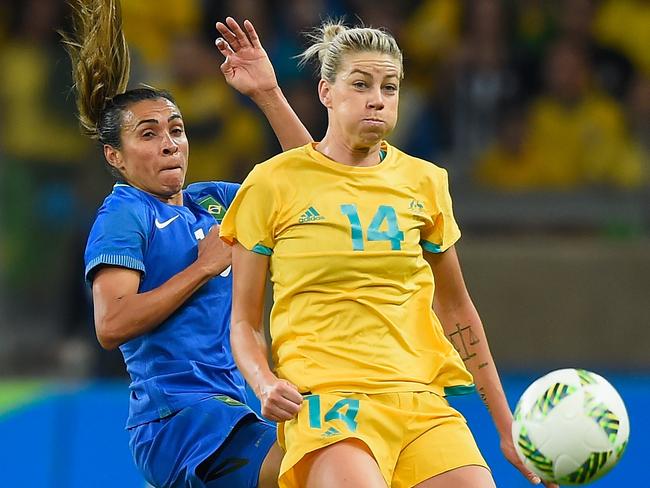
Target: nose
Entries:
(375, 99)
(169, 146)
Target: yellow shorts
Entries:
(412, 435)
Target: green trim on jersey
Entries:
(260, 249)
(430, 246)
(459, 390)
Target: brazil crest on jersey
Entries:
(188, 357)
(352, 290)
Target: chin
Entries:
(170, 191)
(174, 185)
(371, 139)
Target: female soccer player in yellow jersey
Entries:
(354, 231)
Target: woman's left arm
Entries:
(460, 321)
(248, 70)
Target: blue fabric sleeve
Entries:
(118, 238)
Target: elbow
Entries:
(107, 343)
(107, 337)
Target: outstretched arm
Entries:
(247, 68)
(459, 318)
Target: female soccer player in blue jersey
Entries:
(160, 274)
(353, 252)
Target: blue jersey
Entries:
(187, 358)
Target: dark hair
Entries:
(109, 124)
(100, 70)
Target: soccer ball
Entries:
(570, 427)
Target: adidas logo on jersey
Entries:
(310, 215)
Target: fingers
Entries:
(510, 453)
(228, 35)
(291, 392)
(236, 37)
(241, 35)
(276, 413)
(281, 401)
(530, 476)
(252, 34)
(534, 479)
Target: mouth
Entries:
(373, 121)
(172, 169)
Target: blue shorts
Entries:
(215, 442)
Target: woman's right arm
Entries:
(248, 69)
(280, 400)
(121, 313)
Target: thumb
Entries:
(226, 51)
(224, 48)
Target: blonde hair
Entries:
(333, 40)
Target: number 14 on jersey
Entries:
(393, 234)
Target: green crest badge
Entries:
(213, 207)
(416, 206)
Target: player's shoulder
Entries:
(222, 191)
(125, 201)
(124, 195)
(416, 166)
(280, 163)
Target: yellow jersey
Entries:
(352, 290)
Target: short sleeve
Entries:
(118, 238)
(250, 219)
(443, 231)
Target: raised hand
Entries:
(247, 67)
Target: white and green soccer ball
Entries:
(570, 427)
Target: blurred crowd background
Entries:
(539, 109)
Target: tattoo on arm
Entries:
(481, 392)
(463, 337)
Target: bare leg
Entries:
(465, 477)
(271, 467)
(345, 464)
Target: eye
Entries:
(148, 134)
(177, 131)
(390, 88)
(359, 84)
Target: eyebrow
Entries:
(367, 73)
(155, 121)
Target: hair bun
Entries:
(330, 30)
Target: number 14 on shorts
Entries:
(345, 410)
